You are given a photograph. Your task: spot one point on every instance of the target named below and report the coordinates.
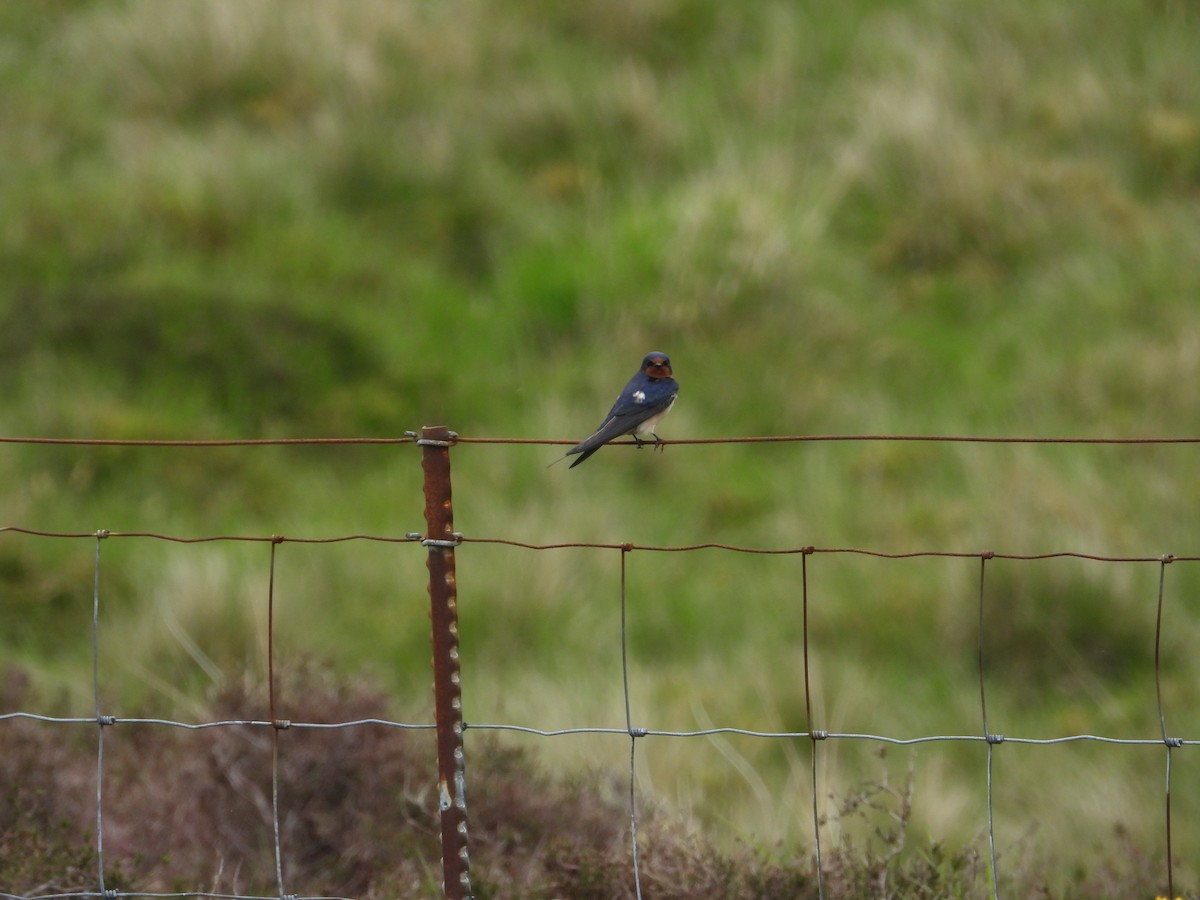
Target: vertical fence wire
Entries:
(100, 720)
(276, 725)
(813, 734)
(634, 734)
(991, 739)
(1169, 742)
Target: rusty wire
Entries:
(843, 438)
(411, 437)
(627, 546)
(201, 443)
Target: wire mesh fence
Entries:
(441, 543)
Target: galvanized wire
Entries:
(987, 735)
(159, 895)
(100, 535)
(633, 735)
(275, 722)
(1169, 742)
(808, 716)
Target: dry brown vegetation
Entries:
(191, 810)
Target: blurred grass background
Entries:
(221, 219)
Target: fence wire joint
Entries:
(452, 439)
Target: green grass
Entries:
(305, 219)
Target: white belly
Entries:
(651, 423)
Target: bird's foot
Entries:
(657, 442)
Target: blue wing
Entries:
(642, 399)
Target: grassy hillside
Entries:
(292, 219)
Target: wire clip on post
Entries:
(443, 437)
(441, 541)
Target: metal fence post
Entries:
(440, 540)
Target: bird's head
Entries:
(656, 365)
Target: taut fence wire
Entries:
(441, 544)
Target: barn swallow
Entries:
(648, 397)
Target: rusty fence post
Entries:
(440, 540)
